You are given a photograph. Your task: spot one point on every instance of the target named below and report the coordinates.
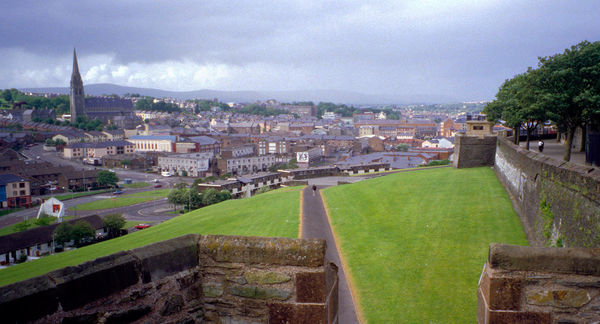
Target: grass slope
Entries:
(125, 200)
(273, 214)
(415, 242)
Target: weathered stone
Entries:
(259, 292)
(81, 318)
(266, 277)
(564, 260)
(558, 298)
(237, 279)
(212, 289)
(16, 300)
(311, 313)
(168, 257)
(81, 284)
(500, 292)
(128, 315)
(579, 284)
(173, 304)
(310, 287)
(503, 317)
(260, 250)
(280, 313)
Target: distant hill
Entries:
(336, 96)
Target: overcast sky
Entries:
(462, 49)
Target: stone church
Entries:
(113, 111)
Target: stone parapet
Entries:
(539, 285)
(558, 202)
(474, 151)
(189, 279)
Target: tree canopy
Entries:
(107, 178)
(565, 88)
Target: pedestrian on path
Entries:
(541, 146)
(314, 188)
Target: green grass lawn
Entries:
(15, 227)
(415, 242)
(136, 185)
(81, 194)
(274, 214)
(9, 211)
(124, 200)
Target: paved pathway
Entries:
(556, 150)
(316, 225)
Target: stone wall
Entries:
(474, 151)
(190, 279)
(558, 202)
(539, 285)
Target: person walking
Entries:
(314, 188)
(541, 146)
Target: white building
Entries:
(194, 164)
(150, 143)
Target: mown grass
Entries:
(124, 200)
(135, 185)
(275, 214)
(81, 194)
(415, 242)
(14, 228)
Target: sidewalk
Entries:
(556, 150)
(316, 225)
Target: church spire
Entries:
(77, 95)
(75, 66)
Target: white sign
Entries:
(203, 165)
(302, 157)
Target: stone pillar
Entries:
(539, 285)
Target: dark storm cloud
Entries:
(460, 48)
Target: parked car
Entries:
(142, 226)
(155, 180)
(118, 192)
(158, 185)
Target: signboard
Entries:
(302, 157)
(203, 165)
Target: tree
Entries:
(403, 147)
(107, 178)
(63, 233)
(114, 223)
(82, 231)
(570, 88)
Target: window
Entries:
(22, 193)
(14, 185)
(477, 127)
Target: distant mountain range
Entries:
(336, 96)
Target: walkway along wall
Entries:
(190, 279)
(558, 202)
(541, 285)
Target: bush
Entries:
(44, 220)
(63, 233)
(114, 223)
(22, 258)
(22, 226)
(82, 232)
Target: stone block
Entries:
(503, 293)
(310, 287)
(280, 313)
(558, 298)
(311, 313)
(512, 317)
(172, 305)
(165, 258)
(263, 250)
(583, 261)
(89, 281)
(212, 289)
(17, 300)
(259, 292)
(128, 315)
(265, 277)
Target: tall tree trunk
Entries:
(528, 132)
(557, 137)
(516, 136)
(570, 134)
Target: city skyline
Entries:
(463, 50)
